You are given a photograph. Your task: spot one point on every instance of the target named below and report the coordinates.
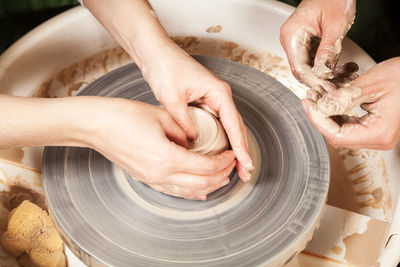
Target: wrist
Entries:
(44, 122)
(70, 121)
(150, 49)
(105, 115)
(87, 120)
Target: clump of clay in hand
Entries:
(330, 85)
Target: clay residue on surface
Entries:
(341, 193)
(266, 62)
(17, 180)
(13, 197)
(188, 43)
(214, 29)
(337, 250)
(14, 154)
(369, 241)
(359, 182)
(78, 75)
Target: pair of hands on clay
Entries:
(377, 90)
(141, 138)
(153, 150)
(176, 80)
(148, 142)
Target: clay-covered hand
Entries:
(312, 39)
(378, 93)
(146, 142)
(177, 79)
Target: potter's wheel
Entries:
(106, 217)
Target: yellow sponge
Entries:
(31, 231)
(43, 257)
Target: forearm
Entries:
(44, 122)
(134, 26)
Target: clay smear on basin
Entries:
(76, 76)
(11, 198)
(214, 29)
(80, 74)
(17, 180)
(337, 250)
(272, 65)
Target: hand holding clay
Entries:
(146, 142)
(378, 93)
(312, 38)
(175, 78)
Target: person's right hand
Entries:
(378, 93)
(145, 141)
(328, 21)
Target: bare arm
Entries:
(40, 122)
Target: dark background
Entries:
(376, 28)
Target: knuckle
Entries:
(225, 87)
(212, 166)
(166, 162)
(170, 101)
(388, 141)
(152, 178)
(283, 31)
(204, 184)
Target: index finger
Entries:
(220, 100)
(231, 120)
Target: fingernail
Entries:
(247, 177)
(249, 165)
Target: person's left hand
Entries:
(177, 79)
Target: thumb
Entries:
(180, 112)
(328, 51)
(172, 130)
